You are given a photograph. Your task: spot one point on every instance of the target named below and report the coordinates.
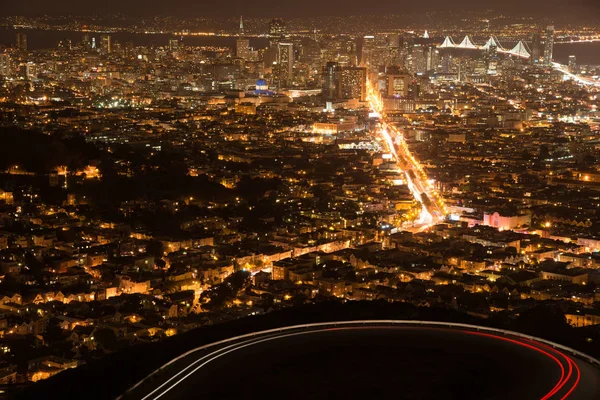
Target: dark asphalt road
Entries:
(385, 362)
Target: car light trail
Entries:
(562, 389)
(577, 78)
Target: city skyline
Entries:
(301, 205)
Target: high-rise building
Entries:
(86, 42)
(419, 56)
(5, 64)
(242, 48)
(366, 54)
(536, 48)
(491, 60)
(65, 44)
(331, 79)
(393, 41)
(21, 41)
(242, 45)
(549, 45)
(174, 45)
(285, 64)
(105, 44)
(277, 31)
(398, 85)
(572, 64)
(353, 83)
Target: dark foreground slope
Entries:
(115, 373)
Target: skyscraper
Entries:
(86, 42)
(331, 87)
(398, 84)
(573, 63)
(242, 45)
(536, 48)
(285, 63)
(174, 45)
(21, 41)
(353, 83)
(277, 31)
(366, 54)
(242, 48)
(105, 44)
(549, 45)
(5, 64)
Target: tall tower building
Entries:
(536, 48)
(398, 84)
(21, 41)
(573, 64)
(366, 54)
(549, 45)
(86, 42)
(331, 76)
(393, 41)
(285, 63)
(174, 45)
(353, 83)
(105, 44)
(242, 48)
(277, 31)
(5, 64)
(242, 45)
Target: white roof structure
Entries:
(492, 41)
(467, 43)
(448, 43)
(521, 50)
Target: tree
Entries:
(155, 249)
(106, 339)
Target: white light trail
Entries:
(394, 140)
(577, 78)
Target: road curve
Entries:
(352, 359)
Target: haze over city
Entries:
(296, 8)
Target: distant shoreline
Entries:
(586, 53)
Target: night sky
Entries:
(292, 8)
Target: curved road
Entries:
(375, 360)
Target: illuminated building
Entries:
(5, 64)
(397, 85)
(331, 89)
(353, 83)
(572, 63)
(285, 64)
(507, 222)
(242, 45)
(277, 31)
(174, 44)
(393, 41)
(242, 48)
(399, 104)
(21, 41)
(368, 47)
(536, 48)
(332, 128)
(86, 42)
(105, 44)
(549, 45)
